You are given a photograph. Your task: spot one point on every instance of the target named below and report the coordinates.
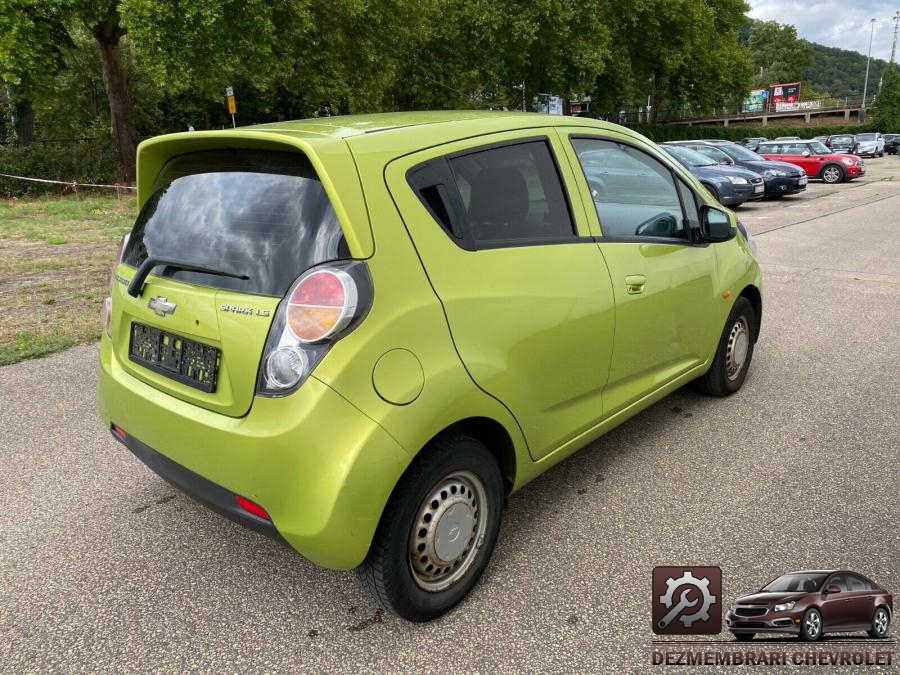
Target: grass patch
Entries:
(55, 256)
(30, 344)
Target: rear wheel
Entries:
(437, 532)
(832, 173)
(732, 360)
(880, 623)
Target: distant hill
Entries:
(841, 72)
(834, 71)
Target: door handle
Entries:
(847, 600)
(634, 283)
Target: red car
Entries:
(816, 159)
(810, 603)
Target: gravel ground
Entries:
(103, 567)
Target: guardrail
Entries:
(688, 113)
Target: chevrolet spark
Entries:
(358, 335)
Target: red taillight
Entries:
(251, 507)
(321, 305)
(119, 432)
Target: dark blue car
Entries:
(781, 178)
(731, 185)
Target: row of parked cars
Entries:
(871, 144)
(735, 173)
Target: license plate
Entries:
(759, 188)
(183, 360)
(802, 181)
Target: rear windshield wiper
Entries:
(136, 287)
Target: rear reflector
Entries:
(251, 507)
(118, 432)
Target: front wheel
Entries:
(732, 360)
(811, 626)
(437, 531)
(833, 174)
(880, 623)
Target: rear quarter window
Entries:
(262, 214)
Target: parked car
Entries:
(843, 143)
(816, 159)
(870, 145)
(357, 335)
(753, 142)
(780, 178)
(892, 144)
(730, 185)
(811, 603)
(787, 138)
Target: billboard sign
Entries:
(756, 101)
(783, 93)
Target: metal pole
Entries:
(894, 43)
(233, 125)
(868, 61)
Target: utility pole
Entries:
(868, 62)
(894, 43)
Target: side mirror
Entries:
(833, 589)
(715, 225)
(806, 153)
(725, 160)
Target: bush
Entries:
(81, 162)
(680, 132)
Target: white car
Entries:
(871, 144)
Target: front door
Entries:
(664, 284)
(525, 290)
(837, 608)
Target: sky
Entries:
(835, 23)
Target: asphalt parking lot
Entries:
(104, 567)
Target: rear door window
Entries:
(261, 214)
(512, 194)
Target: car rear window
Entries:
(261, 214)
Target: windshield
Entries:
(787, 583)
(740, 153)
(842, 140)
(689, 157)
(261, 214)
(819, 148)
(866, 137)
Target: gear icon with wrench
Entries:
(688, 579)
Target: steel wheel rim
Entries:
(448, 531)
(812, 624)
(737, 348)
(831, 175)
(881, 622)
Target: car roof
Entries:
(817, 572)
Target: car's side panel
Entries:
(533, 324)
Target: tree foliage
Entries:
(887, 104)
(776, 53)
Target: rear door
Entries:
(259, 215)
(525, 291)
(663, 283)
(862, 596)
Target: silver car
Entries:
(870, 145)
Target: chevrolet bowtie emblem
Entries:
(161, 305)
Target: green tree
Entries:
(776, 53)
(887, 104)
(33, 41)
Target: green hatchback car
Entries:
(358, 335)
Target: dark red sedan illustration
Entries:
(811, 603)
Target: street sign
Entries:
(232, 107)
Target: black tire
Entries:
(744, 637)
(881, 623)
(388, 573)
(811, 625)
(833, 174)
(728, 370)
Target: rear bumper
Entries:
(321, 468)
(202, 489)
